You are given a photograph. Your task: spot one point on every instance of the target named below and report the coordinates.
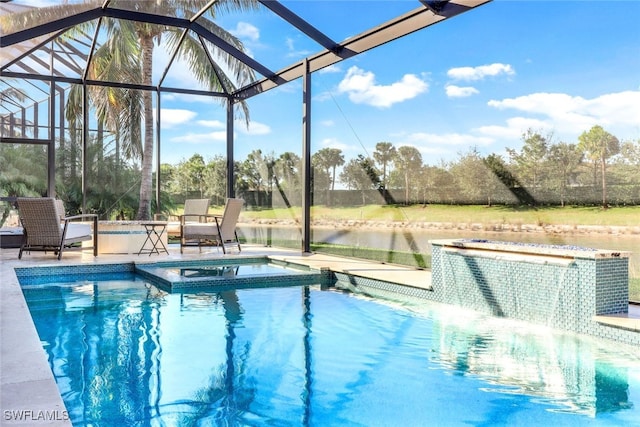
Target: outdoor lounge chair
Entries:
(47, 229)
(194, 209)
(219, 232)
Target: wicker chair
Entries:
(47, 229)
(220, 232)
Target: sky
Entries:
(477, 81)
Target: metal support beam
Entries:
(230, 161)
(51, 146)
(85, 143)
(293, 19)
(133, 86)
(401, 26)
(158, 161)
(306, 158)
(50, 27)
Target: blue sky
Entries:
(480, 79)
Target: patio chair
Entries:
(47, 229)
(193, 211)
(220, 232)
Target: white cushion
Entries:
(173, 228)
(200, 229)
(77, 229)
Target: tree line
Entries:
(597, 169)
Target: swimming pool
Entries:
(125, 352)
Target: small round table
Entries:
(154, 230)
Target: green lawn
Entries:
(620, 216)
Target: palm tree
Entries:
(127, 56)
(384, 154)
(329, 159)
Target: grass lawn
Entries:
(615, 216)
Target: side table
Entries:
(154, 230)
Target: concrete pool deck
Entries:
(28, 392)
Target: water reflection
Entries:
(571, 371)
(127, 354)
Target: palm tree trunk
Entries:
(144, 206)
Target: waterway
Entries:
(417, 240)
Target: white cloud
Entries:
(211, 123)
(574, 114)
(480, 72)
(292, 51)
(331, 69)
(514, 128)
(247, 31)
(254, 128)
(335, 143)
(362, 88)
(327, 123)
(201, 138)
(420, 138)
(172, 117)
(460, 92)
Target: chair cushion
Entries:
(173, 228)
(195, 230)
(77, 230)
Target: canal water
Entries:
(418, 240)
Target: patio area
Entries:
(26, 379)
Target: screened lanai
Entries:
(77, 85)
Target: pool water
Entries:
(124, 353)
(189, 275)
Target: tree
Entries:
(473, 177)
(564, 159)
(216, 179)
(531, 159)
(408, 162)
(496, 165)
(285, 175)
(384, 154)
(128, 55)
(599, 146)
(195, 171)
(361, 174)
(329, 159)
(257, 172)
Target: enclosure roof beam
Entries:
(393, 29)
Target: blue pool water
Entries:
(125, 353)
